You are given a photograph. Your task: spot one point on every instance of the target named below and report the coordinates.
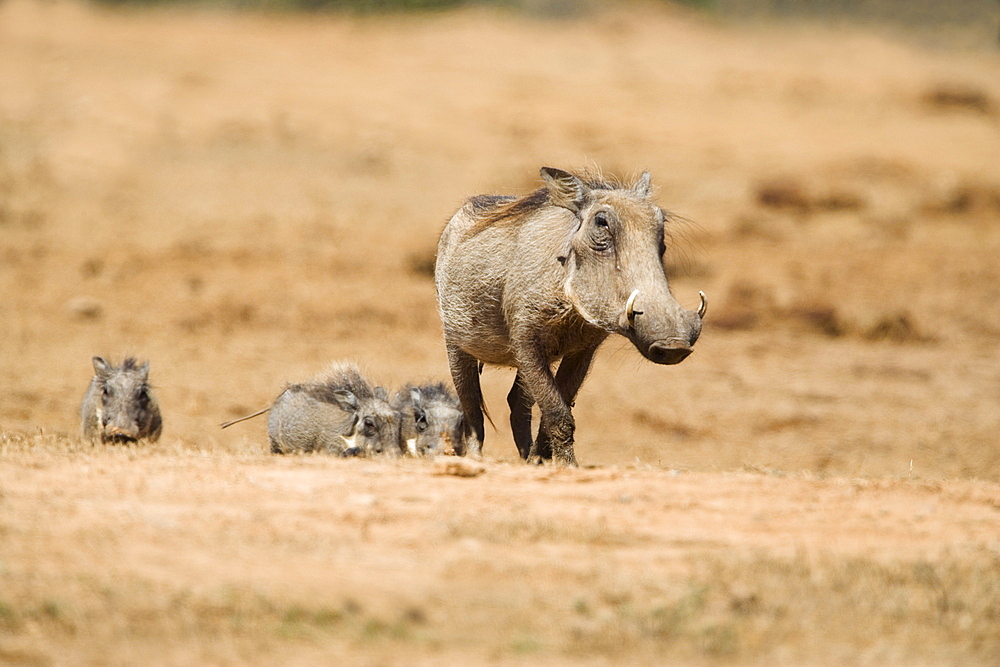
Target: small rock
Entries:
(459, 467)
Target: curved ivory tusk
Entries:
(630, 308)
(703, 308)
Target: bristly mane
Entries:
(340, 375)
(438, 391)
(493, 210)
(130, 364)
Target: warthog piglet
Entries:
(337, 412)
(119, 405)
(432, 419)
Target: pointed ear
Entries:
(565, 189)
(643, 186)
(144, 370)
(101, 367)
(415, 397)
(382, 393)
(346, 399)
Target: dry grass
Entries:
(114, 555)
(242, 198)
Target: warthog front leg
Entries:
(555, 439)
(555, 432)
(465, 374)
(569, 378)
(520, 403)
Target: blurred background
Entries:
(244, 191)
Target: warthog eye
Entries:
(421, 421)
(600, 238)
(368, 426)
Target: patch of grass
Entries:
(139, 610)
(750, 307)
(718, 606)
(532, 529)
(299, 621)
(737, 607)
(358, 6)
(9, 619)
(15, 617)
(525, 644)
(546, 8)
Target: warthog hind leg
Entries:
(520, 403)
(465, 374)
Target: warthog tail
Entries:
(243, 419)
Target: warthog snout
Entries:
(118, 434)
(646, 331)
(669, 352)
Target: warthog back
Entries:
(432, 419)
(119, 405)
(338, 412)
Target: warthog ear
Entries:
(565, 189)
(101, 367)
(346, 399)
(415, 397)
(643, 186)
(382, 393)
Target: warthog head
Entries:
(432, 420)
(376, 424)
(614, 275)
(119, 406)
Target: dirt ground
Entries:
(243, 198)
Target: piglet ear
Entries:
(565, 189)
(415, 397)
(101, 367)
(382, 393)
(643, 186)
(346, 399)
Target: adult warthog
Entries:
(525, 282)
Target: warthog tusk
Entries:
(703, 308)
(630, 311)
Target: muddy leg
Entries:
(570, 376)
(555, 431)
(465, 374)
(555, 437)
(520, 416)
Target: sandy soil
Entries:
(241, 199)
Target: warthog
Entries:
(119, 405)
(337, 412)
(432, 420)
(525, 282)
